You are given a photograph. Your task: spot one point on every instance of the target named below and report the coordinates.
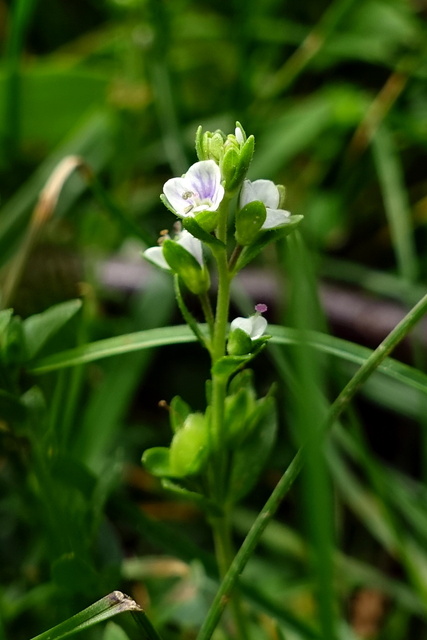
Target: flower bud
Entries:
(233, 154)
(246, 334)
(189, 447)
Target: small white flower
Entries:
(185, 239)
(265, 191)
(254, 326)
(200, 189)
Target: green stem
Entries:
(218, 469)
(219, 384)
(224, 553)
(291, 473)
(207, 311)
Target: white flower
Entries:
(200, 189)
(185, 239)
(265, 191)
(254, 326)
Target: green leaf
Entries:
(197, 231)
(41, 326)
(243, 380)
(238, 409)
(157, 461)
(181, 334)
(127, 343)
(265, 238)
(200, 500)
(227, 365)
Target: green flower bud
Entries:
(233, 154)
(189, 447)
(246, 334)
(209, 146)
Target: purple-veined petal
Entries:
(204, 181)
(174, 190)
(199, 190)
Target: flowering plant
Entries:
(215, 457)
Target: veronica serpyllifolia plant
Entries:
(215, 457)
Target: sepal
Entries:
(192, 226)
(157, 461)
(265, 238)
(249, 221)
(186, 266)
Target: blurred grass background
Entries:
(335, 94)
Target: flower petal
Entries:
(174, 190)
(204, 180)
(155, 256)
(253, 326)
(192, 245)
(259, 325)
(199, 190)
(276, 218)
(247, 193)
(245, 324)
(267, 192)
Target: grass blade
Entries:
(181, 334)
(109, 606)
